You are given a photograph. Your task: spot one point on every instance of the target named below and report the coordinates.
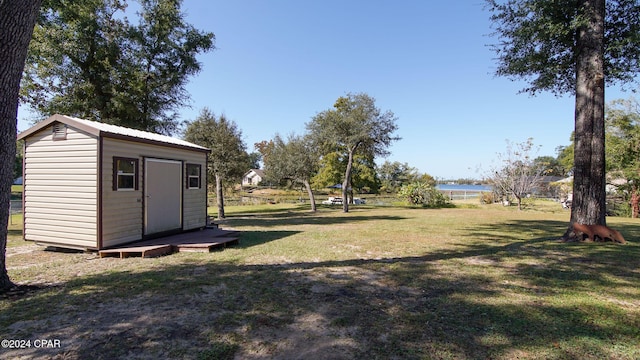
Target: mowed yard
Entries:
(474, 282)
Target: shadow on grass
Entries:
(517, 230)
(15, 233)
(631, 232)
(263, 210)
(296, 218)
(406, 307)
(253, 238)
(534, 251)
(275, 209)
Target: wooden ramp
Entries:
(193, 241)
(142, 251)
(220, 242)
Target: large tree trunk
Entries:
(220, 197)
(347, 182)
(519, 202)
(312, 198)
(589, 199)
(17, 18)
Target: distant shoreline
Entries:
(463, 187)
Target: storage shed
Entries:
(90, 185)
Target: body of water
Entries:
(463, 187)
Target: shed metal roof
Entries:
(108, 130)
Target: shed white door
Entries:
(163, 196)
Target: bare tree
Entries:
(228, 159)
(518, 174)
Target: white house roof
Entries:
(254, 172)
(102, 129)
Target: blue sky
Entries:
(280, 62)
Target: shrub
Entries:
(419, 193)
(615, 208)
(487, 197)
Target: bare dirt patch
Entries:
(212, 314)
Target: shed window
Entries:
(125, 174)
(193, 176)
(59, 131)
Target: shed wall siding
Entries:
(123, 212)
(60, 177)
(195, 200)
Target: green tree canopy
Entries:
(263, 150)
(228, 160)
(94, 59)
(538, 41)
(333, 165)
(395, 174)
(423, 194)
(550, 166)
(623, 148)
(331, 171)
(354, 126)
(294, 159)
(17, 172)
(565, 156)
(364, 178)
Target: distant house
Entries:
(252, 177)
(90, 185)
(564, 190)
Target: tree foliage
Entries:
(17, 170)
(331, 170)
(264, 148)
(420, 193)
(228, 160)
(550, 166)
(364, 178)
(393, 175)
(623, 148)
(295, 160)
(333, 165)
(93, 59)
(565, 156)
(255, 158)
(538, 41)
(354, 126)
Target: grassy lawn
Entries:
(16, 192)
(473, 282)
